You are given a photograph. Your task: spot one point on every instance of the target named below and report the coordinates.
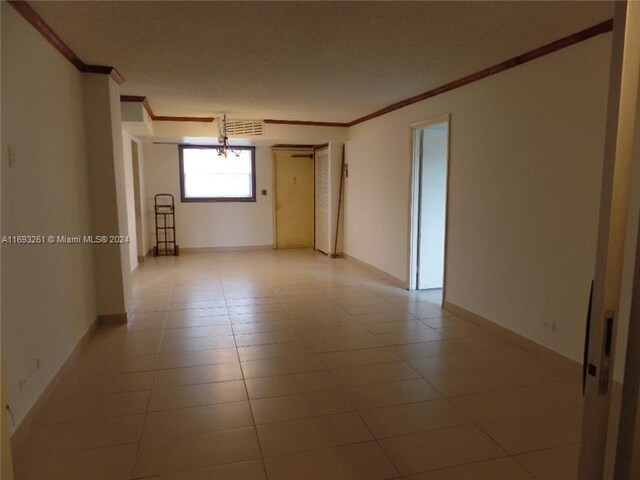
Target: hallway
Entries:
(290, 365)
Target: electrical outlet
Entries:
(551, 326)
(21, 383)
(38, 363)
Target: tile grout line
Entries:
(357, 412)
(265, 279)
(146, 409)
(253, 419)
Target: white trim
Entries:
(34, 413)
(547, 355)
(387, 276)
(413, 201)
(230, 248)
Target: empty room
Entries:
(320, 240)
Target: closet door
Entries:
(322, 242)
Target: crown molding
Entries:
(306, 122)
(162, 118)
(29, 14)
(564, 42)
(111, 71)
(139, 99)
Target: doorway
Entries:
(429, 206)
(294, 209)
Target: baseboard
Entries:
(26, 426)
(241, 248)
(112, 318)
(387, 276)
(549, 356)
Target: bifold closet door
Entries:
(323, 242)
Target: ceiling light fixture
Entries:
(223, 139)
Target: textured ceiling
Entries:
(323, 61)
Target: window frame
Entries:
(186, 199)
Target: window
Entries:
(207, 177)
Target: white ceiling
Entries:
(323, 61)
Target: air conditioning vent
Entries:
(245, 128)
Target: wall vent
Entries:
(245, 128)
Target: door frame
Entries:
(309, 150)
(596, 444)
(414, 201)
(138, 201)
(627, 454)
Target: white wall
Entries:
(48, 291)
(216, 224)
(526, 159)
(107, 191)
(433, 205)
(122, 200)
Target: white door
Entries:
(322, 242)
(599, 442)
(432, 205)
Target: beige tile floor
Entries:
(289, 365)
